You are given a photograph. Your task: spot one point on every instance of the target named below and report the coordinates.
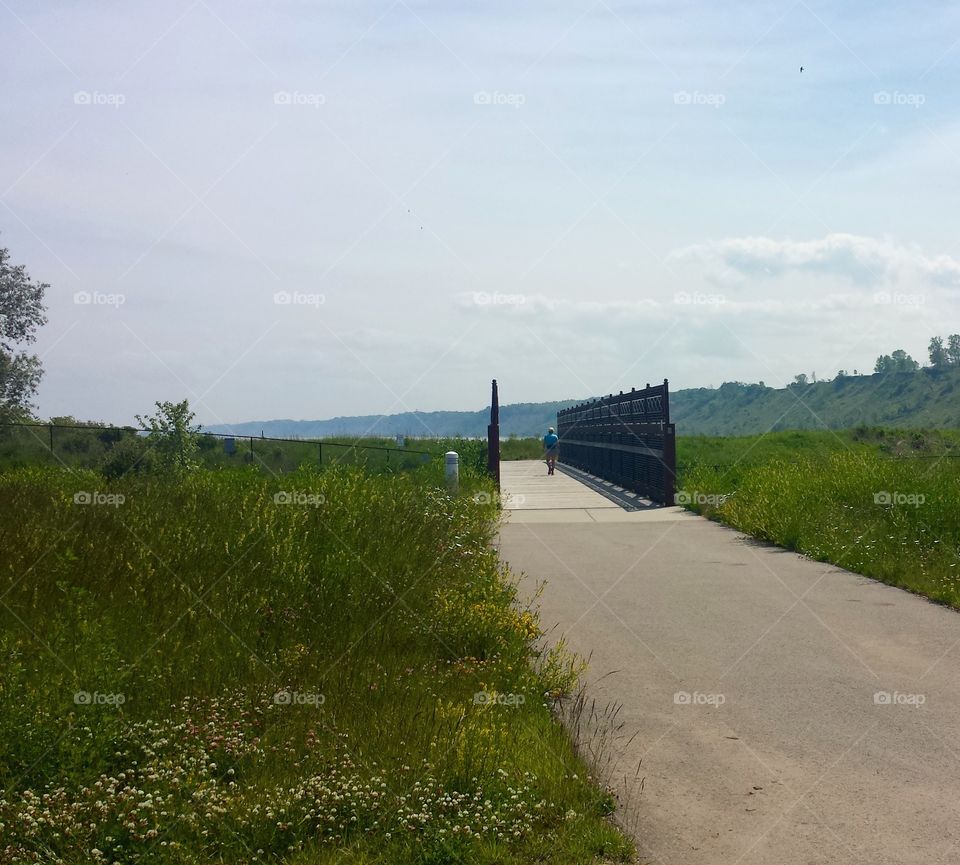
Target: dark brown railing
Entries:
(625, 438)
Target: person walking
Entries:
(551, 444)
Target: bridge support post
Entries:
(493, 437)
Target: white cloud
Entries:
(862, 260)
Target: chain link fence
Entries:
(118, 450)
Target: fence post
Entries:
(51, 438)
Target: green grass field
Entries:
(322, 666)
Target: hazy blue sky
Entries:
(571, 197)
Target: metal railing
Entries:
(625, 438)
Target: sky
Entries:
(306, 210)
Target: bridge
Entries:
(774, 709)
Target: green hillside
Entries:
(928, 398)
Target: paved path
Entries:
(750, 676)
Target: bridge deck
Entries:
(531, 495)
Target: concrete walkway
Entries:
(785, 711)
(533, 496)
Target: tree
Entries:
(902, 362)
(800, 378)
(938, 354)
(953, 349)
(21, 313)
(884, 364)
(172, 437)
(899, 361)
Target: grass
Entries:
(118, 451)
(878, 502)
(326, 666)
(515, 448)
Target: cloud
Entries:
(862, 260)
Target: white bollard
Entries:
(453, 471)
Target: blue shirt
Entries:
(550, 440)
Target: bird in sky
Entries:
(801, 69)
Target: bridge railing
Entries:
(626, 438)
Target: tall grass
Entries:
(896, 520)
(328, 666)
(119, 451)
(516, 448)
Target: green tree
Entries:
(172, 437)
(953, 349)
(800, 378)
(21, 313)
(938, 354)
(884, 364)
(902, 362)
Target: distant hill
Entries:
(926, 398)
(522, 419)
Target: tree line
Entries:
(942, 355)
